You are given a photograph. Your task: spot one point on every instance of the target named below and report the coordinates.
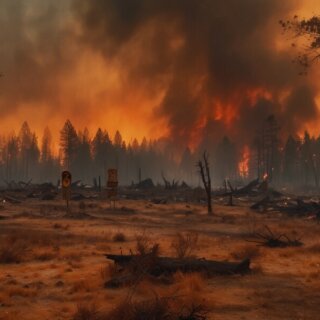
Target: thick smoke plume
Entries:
(200, 69)
(217, 61)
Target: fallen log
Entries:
(301, 208)
(167, 265)
(248, 188)
(11, 199)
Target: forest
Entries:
(293, 160)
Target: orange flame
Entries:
(243, 165)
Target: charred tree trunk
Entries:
(315, 171)
(206, 179)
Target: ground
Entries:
(58, 263)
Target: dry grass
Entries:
(156, 309)
(190, 282)
(119, 237)
(60, 282)
(314, 248)
(248, 251)
(12, 250)
(16, 291)
(109, 271)
(45, 255)
(145, 246)
(25, 245)
(86, 312)
(82, 285)
(184, 245)
(61, 226)
(152, 309)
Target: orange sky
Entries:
(96, 93)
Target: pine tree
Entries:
(290, 160)
(46, 146)
(84, 156)
(69, 144)
(25, 139)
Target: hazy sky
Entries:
(184, 68)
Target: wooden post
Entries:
(112, 186)
(206, 179)
(66, 187)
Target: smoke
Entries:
(201, 68)
(209, 56)
(33, 52)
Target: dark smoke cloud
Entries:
(200, 54)
(226, 49)
(35, 53)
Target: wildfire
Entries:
(243, 165)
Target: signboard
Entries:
(112, 183)
(66, 179)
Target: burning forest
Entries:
(292, 163)
(159, 160)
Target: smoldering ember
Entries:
(159, 160)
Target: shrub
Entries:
(185, 244)
(12, 250)
(119, 237)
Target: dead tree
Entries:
(169, 185)
(230, 203)
(206, 179)
(269, 239)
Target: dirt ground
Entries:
(58, 263)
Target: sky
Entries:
(187, 70)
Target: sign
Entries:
(112, 183)
(112, 175)
(66, 179)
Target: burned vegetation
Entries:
(152, 251)
(166, 248)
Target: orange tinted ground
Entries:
(63, 264)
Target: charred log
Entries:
(167, 265)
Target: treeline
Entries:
(23, 157)
(294, 163)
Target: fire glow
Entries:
(243, 165)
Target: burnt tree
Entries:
(204, 171)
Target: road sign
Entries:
(66, 179)
(113, 175)
(112, 184)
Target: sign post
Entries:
(112, 185)
(66, 179)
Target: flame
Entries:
(265, 176)
(243, 165)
